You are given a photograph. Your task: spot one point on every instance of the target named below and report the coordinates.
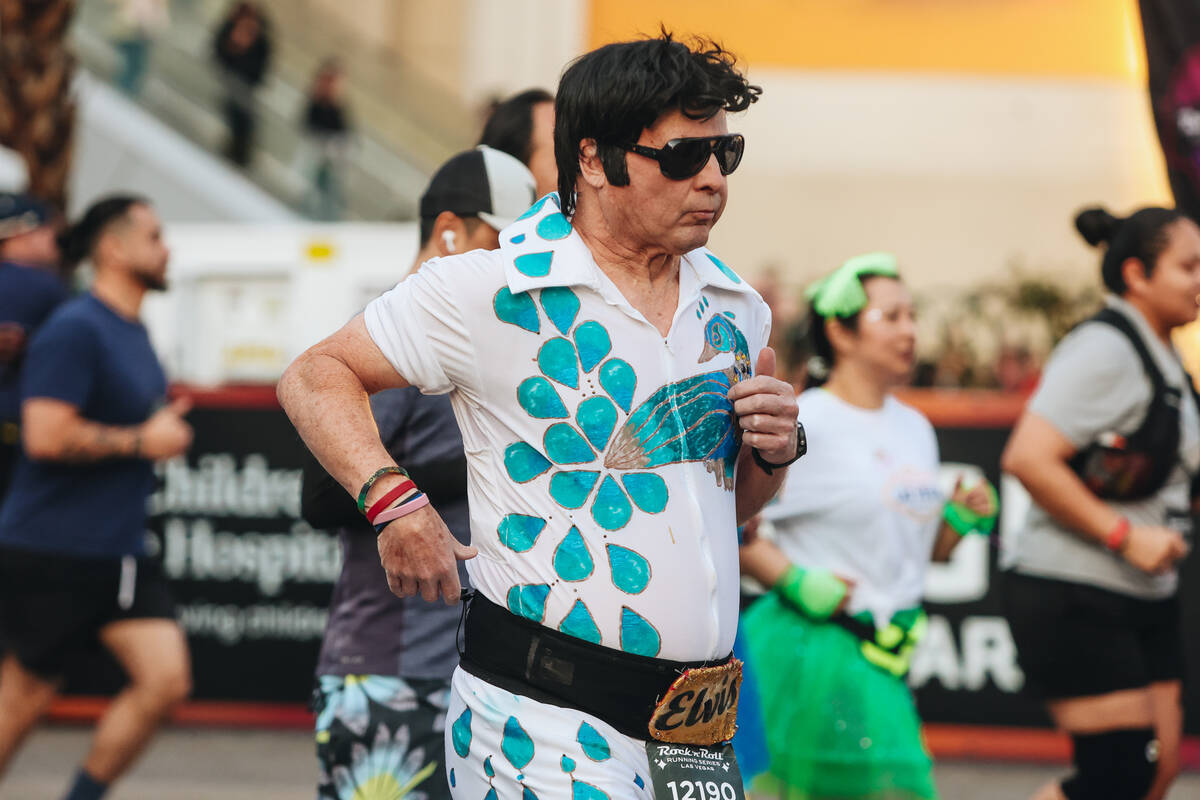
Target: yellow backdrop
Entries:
(1065, 38)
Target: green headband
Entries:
(841, 294)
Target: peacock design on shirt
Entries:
(594, 458)
(597, 449)
(692, 419)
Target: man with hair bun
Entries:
(1109, 447)
(612, 383)
(74, 572)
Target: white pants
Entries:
(502, 746)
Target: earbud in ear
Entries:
(448, 239)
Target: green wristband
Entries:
(964, 521)
(366, 487)
(815, 592)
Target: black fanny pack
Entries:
(529, 659)
(1138, 465)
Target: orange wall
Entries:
(1060, 38)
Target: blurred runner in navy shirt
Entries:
(29, 290)
(72, 566)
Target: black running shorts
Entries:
(1077, 640)
(53, 606)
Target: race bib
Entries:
(690, 772)
(700, 707)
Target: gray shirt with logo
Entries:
(370, 630)
(1095, 384)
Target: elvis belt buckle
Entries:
(700, 708)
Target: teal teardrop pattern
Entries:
(491, 794)
(536, 207)
(519, 532)
(593, 343)
(488, 769)
(561, 306)
(594, 745)
(725, 270)
(517, 309)
(637, 635)
(523, 463)
(516, 745)
(572, 561)
(460, 734)
(580, 624)
(529, 600)
(564, 445)
(597, 417)
(571, 489)
(520, 237)
(553, 227)
(630, 571)
(527, 794)
(539, 399)
(567, 763)
(648, 491)
(619, 380)
(611, 509)
(585, 791)
(556, 359)
(534, 265)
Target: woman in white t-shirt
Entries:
(858, 522)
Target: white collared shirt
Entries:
(601, 455)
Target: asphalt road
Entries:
(207, 764)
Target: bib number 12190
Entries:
(702, 790)
(692, 772)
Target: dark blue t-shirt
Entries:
(89, 356)
(27, 296)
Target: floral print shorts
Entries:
(381, 737)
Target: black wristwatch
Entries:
(801, 449)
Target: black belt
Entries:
(529, 659)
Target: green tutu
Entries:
(837, 726)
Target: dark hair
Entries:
(822, 348)
(1142, 235)
(818, 336)
(509, 127)
(77, 241)
(614, 93)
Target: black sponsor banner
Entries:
(1172, 34)
(252, 581)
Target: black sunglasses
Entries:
(680, 159)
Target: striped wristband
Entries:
(403, 488)
(415, 503)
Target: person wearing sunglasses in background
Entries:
(610, 377)
(858, 522)
(1109, 449)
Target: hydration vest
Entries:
(1137, 465)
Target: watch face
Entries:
(801, 440)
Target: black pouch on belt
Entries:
(639, 696)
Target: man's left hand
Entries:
(766, 410)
